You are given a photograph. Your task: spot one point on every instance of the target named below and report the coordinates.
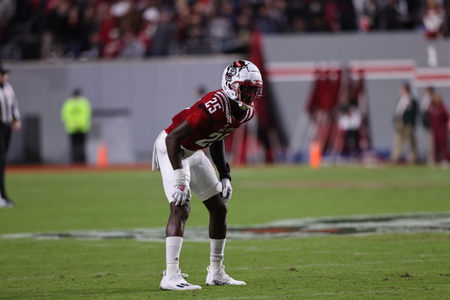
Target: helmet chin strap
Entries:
(243, 106)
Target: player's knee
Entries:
(181, 212)
(222, 209)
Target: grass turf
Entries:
(386, 266)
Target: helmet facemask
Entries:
(249, 93)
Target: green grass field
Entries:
(372, 266)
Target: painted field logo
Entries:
(280, 229)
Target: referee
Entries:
(9, 121)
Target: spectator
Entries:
(266, 24)
(53, 36)
(151, 17)
(221, 27)
(7, 11)
(316, 20)
(243, 31)
(447, 13)
(132, 47)
(434, 20)
(278, 12)
(439, 118)
(107, 24)
(424, 105)
(298, 15)
(371, 11)
(89, 36)
(192, 30)
(73, 32)
(392, 15)
(127, 17)
(206, 26)
(405, 121)
(340, 15)
(94, 47)
(415, 13)
(114, 45)
(164, 37)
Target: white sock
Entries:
(216, 258)
(173, 249)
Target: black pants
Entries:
(5, 137)
(351, 144)
(77, 151)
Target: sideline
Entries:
(71, 168)
(74, 168)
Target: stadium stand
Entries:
(93, 29)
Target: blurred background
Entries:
(332, 71)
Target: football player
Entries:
(178, 154)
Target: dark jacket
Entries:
(410, 114)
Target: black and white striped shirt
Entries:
(9, 108)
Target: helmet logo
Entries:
(239, 63)
(233, 69)
(230, 73)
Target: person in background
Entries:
(76, 116)
(9, 121)
(424, 105)
(350, 122)
(439, 117)
(434, 20)
(200, 92)
(404, 122)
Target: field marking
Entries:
(56, 169)
(28, 277)
(344, 264)
(296, 296)
(68, 276)
(295, 184)
(290, 228)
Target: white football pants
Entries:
(197, 167)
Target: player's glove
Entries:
(182, 192)
(227, 190)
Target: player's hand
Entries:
(227, 190)
(15, 126)
(182, 192)
(181, 195)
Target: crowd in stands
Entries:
(136, 28)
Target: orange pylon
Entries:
(102, 155)
(315, 155)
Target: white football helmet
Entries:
(242, 82)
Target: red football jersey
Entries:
(211, 119)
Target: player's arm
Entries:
(182, 191)
(173, 143)
(197, 119)
(16, 122)
(217, 150)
